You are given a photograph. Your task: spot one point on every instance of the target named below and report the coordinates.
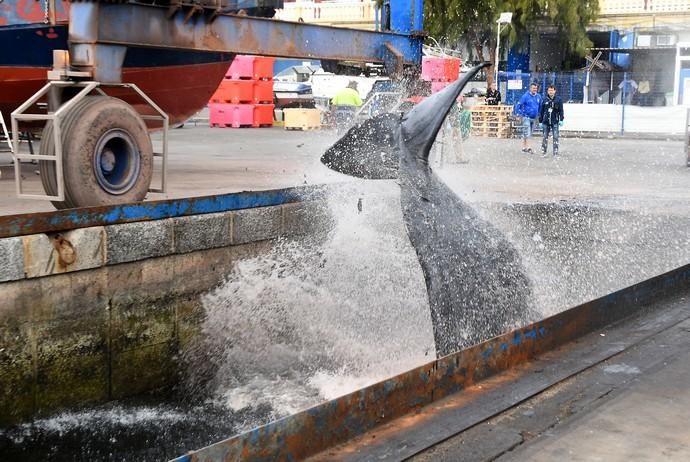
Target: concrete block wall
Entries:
(96, 314)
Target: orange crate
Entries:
(263, 91)
(243, 92)
(234, 91)
(263, 115)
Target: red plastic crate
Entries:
(263, 91)
(240, 115)
(234, 92)
(251, 67)
(440, 69)
(438, 86)
(244, 92)
(263, 114)
(452, 67)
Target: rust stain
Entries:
(66, 252)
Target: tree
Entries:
(473, 22)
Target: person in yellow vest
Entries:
(348, 96)
(345, 104)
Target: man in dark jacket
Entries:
(493, 96)
(550, 118)
(528, 109)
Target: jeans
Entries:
(527, 125)
(545, 140)
(344, 117)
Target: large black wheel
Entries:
(107, 157)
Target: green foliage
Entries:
(474, 21)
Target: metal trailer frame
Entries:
(8, 140)
(98, 43)
(20, 114)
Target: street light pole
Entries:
(498, 46)
(504, 18)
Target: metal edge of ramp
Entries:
(62, 220)
(324, 426)
(496, 396)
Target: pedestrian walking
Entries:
(528, 109)
(551, 119)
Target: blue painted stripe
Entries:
(62, 220)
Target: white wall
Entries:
(607, 118)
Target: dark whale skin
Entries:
(476, 283)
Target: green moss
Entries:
(142, 323)
(143, 369)
(16, 391)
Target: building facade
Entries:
(346, 13)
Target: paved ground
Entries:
(625, 173)
(207, 161)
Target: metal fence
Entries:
(569, 85)
(605, 101)
(653, 89)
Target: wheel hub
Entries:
(116, 161)
(108, 161)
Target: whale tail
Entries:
(420, 126)
(371, 150)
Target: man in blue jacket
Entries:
(528, 109)
(551, 118)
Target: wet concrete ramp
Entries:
(593, 399)
(406, 415)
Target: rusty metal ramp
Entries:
(480, 403)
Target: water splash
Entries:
(317, 318)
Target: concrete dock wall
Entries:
(97, 314)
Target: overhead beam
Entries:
(138, 25)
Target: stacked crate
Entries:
(492, 121)
(441, 72)
(245, 96)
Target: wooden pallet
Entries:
(492, 121)
(492, 134)
(492, 109)
(303, 128)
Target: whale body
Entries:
(476, 284)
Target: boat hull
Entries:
(180, 82)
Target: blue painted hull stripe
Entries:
(30, 46)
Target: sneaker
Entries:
(543, 153)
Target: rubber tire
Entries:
(82, 128)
